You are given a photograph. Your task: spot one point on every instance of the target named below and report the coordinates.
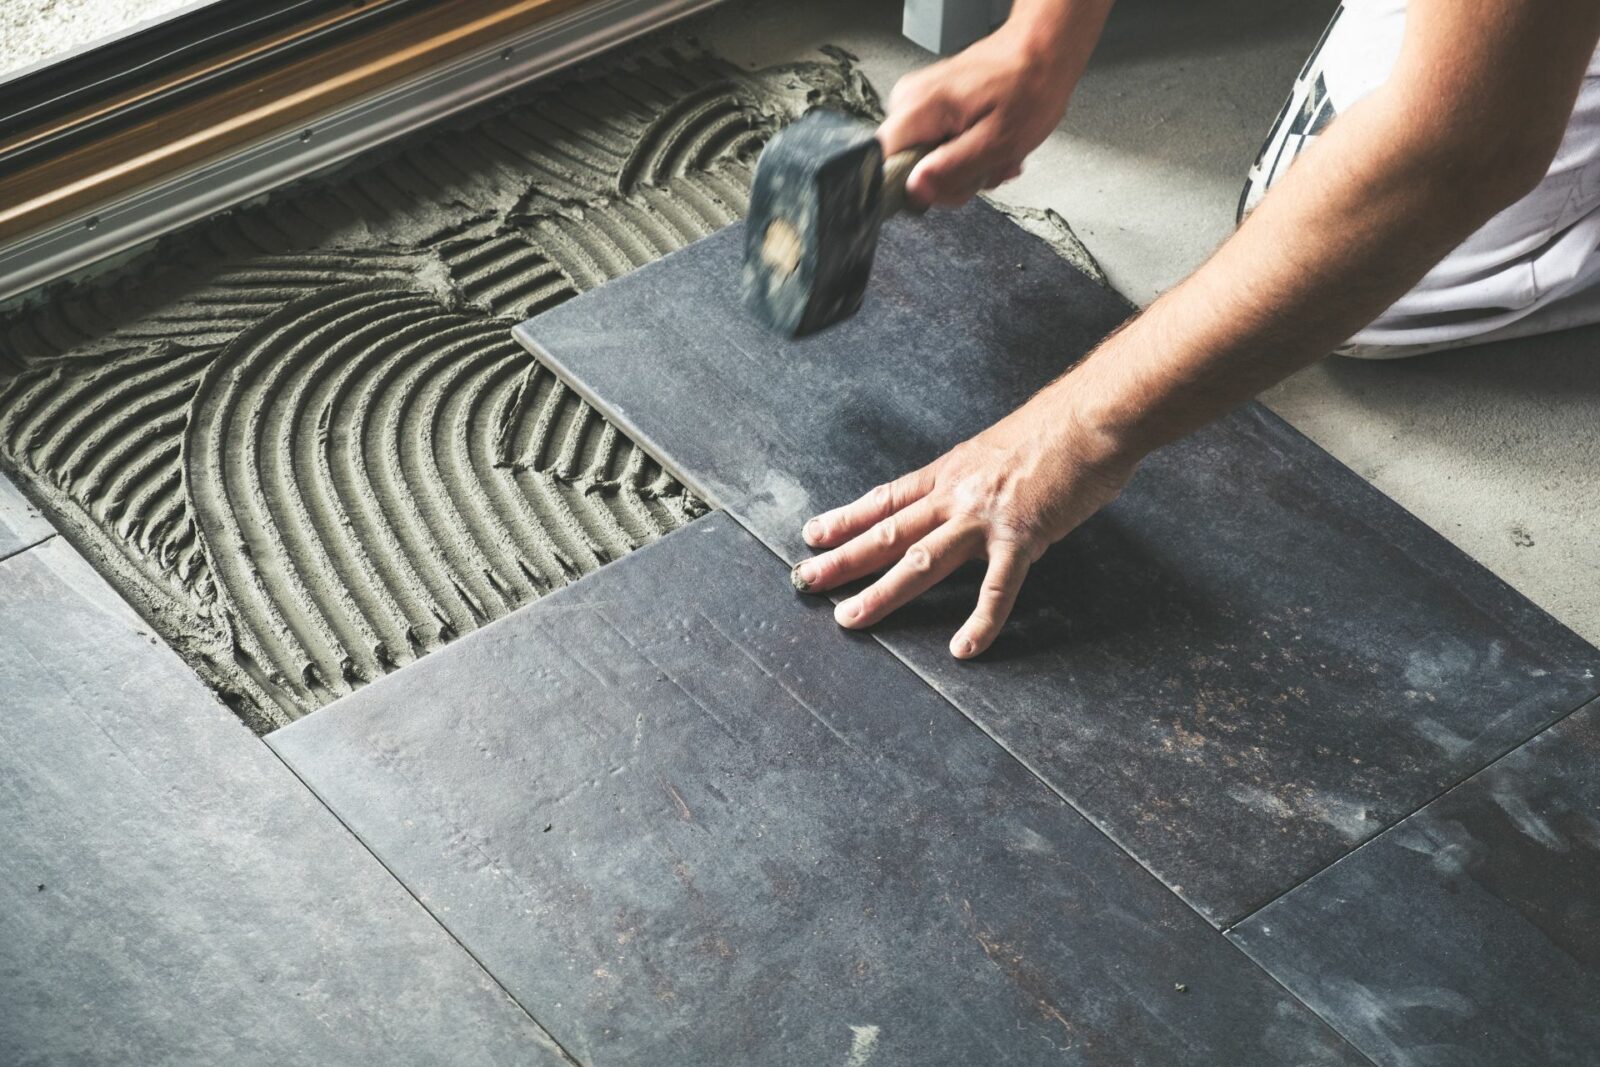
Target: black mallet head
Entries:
(816, 205)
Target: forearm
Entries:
(1381, 196)
(1352, 227)
(1060, 32)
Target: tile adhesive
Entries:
(299, 438)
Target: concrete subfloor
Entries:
(1493, 447)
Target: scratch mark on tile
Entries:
(677, 799)
(796, 697)
(667, 677)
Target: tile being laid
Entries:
(21, 525)
(685, 819)
(170, 893)
(1243, 668)
(1468, 934)
(965, 316)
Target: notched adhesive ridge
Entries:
(299, 438)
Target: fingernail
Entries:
(847, 612)
(812, 531)
(803, 575)
(962, 647)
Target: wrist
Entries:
(1064, 423)
(1037, 42)
(1107, 425)
(1105, 448)
(1044, 32)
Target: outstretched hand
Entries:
(1005, 495)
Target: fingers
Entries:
(925, 564)
(839, 525)
(910, 127)
(877, 548)
(973, 151)
(954, 172)
(919, 114)
(1008, 566)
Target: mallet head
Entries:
(815, 211)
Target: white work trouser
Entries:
(1533, 268)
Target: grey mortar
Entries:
(298, 437)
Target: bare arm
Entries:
(1467, 123)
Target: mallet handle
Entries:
(896, 169)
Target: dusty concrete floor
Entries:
(33, 30)
(1496, 447)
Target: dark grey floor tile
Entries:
(687, 820)
(1469, 934)
(967, 314)
(1246, 666)
(21, 525)
(170, 893)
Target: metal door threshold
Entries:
(108, 228)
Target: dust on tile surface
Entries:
(299, 437)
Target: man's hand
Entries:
(1467, 123)
(991, 105)
(1005, 495)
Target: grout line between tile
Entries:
(558, 1046)
(24, 548)
(998, 742)
(1292, 995)
(1452, 787)
(684, 477)
(1219, 931)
